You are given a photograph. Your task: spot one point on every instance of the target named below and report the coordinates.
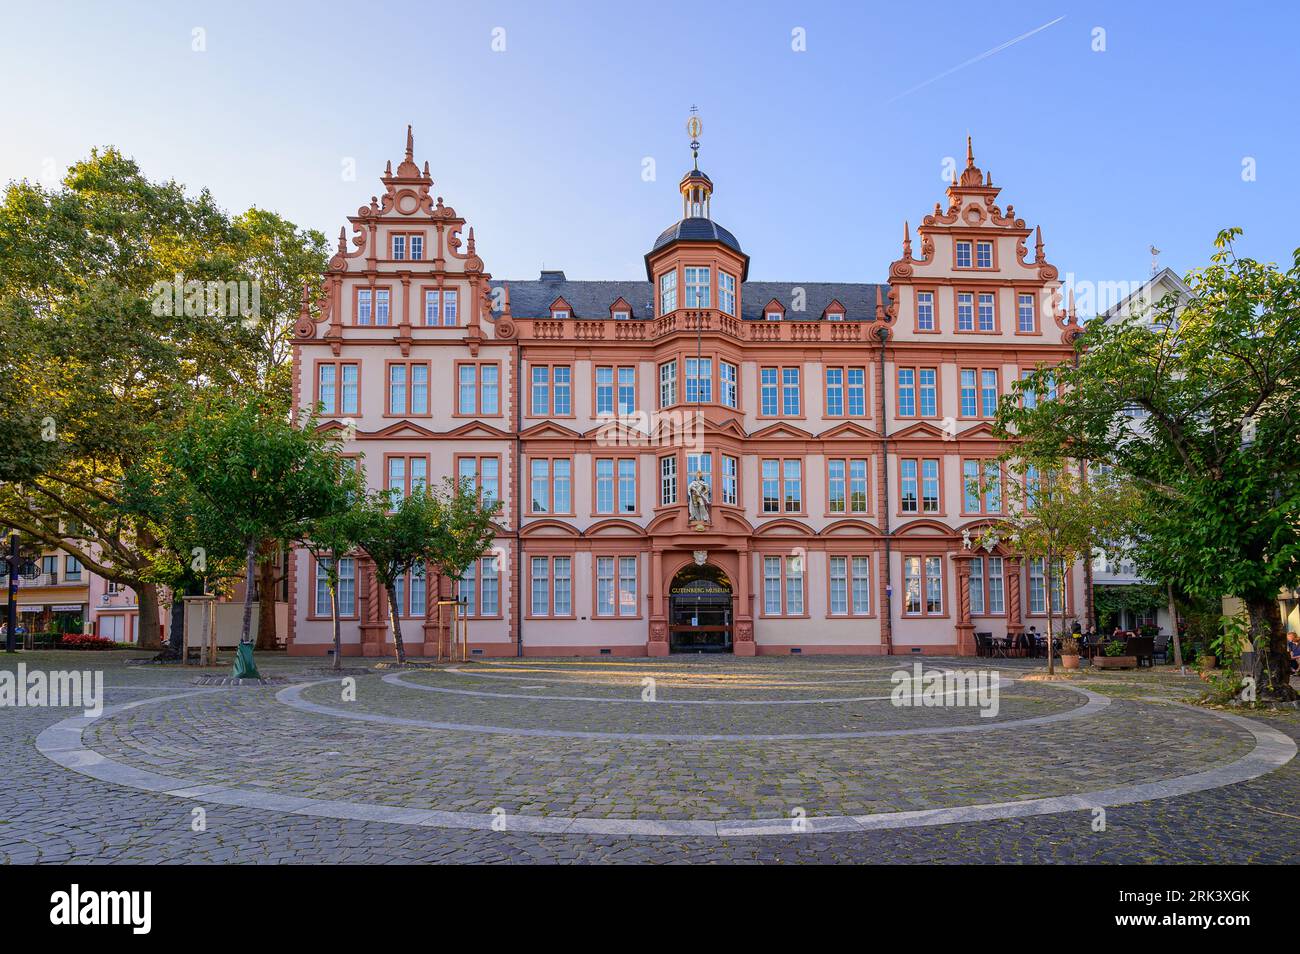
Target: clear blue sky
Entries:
(817, 156)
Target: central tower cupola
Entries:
(696, 230)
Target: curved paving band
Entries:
(63, 744)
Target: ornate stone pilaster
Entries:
(1015, 625)
(965, 628)
(370, 609)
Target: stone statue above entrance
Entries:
(697, 495)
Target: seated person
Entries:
(1293, 644)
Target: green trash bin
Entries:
(245, 668)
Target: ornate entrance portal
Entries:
(699, 611)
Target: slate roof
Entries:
(532, 299)
(696, 229)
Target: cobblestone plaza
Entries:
(708, 758)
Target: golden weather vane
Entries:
(694, 127)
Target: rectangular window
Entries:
(906, 392)
(790, 400)
(490, 586)
(336, 388)
(730, 479)
(551, 485)
(909, 499)
(71, 569)
(989, 393)
(792, 485)
(771, 474)
(667, 481)
(965, 311)
(417, 248)
(925, 311)
(698, 286)
(540, 586)
(969, 395)
(847, 490)
(977, 586)
(996, 600)
(381, 306)
(970, 479)
(850, 583)
(626, 485)
(407, 475)
(1038, 587)
(923, 585)
(1029, 398)
(449, 303)
(416, 591)
(727, 293)
(835, 392)
(432, 304)
(983, 254)
(1026, 320)
(399, 247)
(767, 392)
(605, 485)
(992, 487)
(668, 384)
(481, 473)
(963, 255)
(408, 388)
(552, 586)
(727, 384)
(699, 380)
(616, 586)
(929, 390)
(365, 303)
(702, 465)
(986, 311)
(347, 587)
(479, 389)
(857, 378)
(667, 292)
(607, 390)
(541, 391)
(552, 390)
(783, 581)
(930, 486)
(562, 598)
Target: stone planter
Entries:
(1069, 661)
(1209, 662)
(1115, 662)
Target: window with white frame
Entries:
(782, 485)
(846, 490)
(727, 384)
(336, 388)
(417, 248)
(407, 475)
(616, 586)
(480, 587)
(667, 292)
(925, 311)
(727, 293)
(668, 384)
(399, 247)
(699, 380)
(347, 589)
(483, 474)
(552, 390)
(850, 585)
(667, 481)
(963, 255)
(440, 307)
(923, 585)
(846, 392)
(965, 311)
(408, 387)
(986, 313)
(615, 383)
(551, 586)
(551, 485)
(919, 474)
(983, 254)
(986, 586)
(479, 389)
(1038, 587)
(1026, 318)
(615, 485)
(783, 586)
(698, 282)
(730, 480)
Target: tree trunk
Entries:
(1051, 618)
(267, 637)
(176, 637)
(395, 623)
(147, 630)
(333, 581)
(1173, 622)
(1270, 660)
(250, 586)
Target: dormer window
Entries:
(834, 312)
(772, 316)
(622, 315)
(399, 247)
(560, 314)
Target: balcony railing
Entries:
(692, 321)
(51, 579)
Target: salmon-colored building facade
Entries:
(693, 461)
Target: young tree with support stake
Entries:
(259, 475)
(1216, 385)
(1056, 513)
(329, 539)
(448, 529)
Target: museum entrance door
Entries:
(699, 610)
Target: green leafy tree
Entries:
(1198, 404)
(447, 529)
(1056, 512)
(101, 359)
(330, 538)
(258, 475)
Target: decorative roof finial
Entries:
(970, 153)
(410, 145)
(1038, 243)
(343, 239)
(470, 248)
(694, 127)
(907, 242)
(880, 304)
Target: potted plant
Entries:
(1069, 651)
(1113, 657)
